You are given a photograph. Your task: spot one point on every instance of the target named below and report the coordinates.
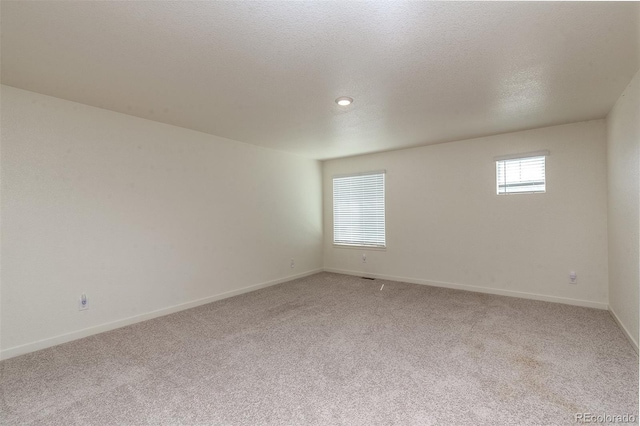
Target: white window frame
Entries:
(356, 245)
(521, 156)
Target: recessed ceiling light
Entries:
(344, 101)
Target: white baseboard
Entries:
(488, 290)
(74, 335)
(624, 329)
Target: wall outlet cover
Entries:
(83, 302)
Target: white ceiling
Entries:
(267, 73)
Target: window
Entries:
(521, 175)
(358, 210)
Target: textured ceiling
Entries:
(267, 73)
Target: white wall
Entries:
(623, 154)
(446, 225)
(141, 216)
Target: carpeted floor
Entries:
(333, 349)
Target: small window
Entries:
(521, 175)
(358, 210)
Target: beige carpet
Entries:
(332, 349)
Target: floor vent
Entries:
(367, 278)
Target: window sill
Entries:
(523, 193)
(349, 246)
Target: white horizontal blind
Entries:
(518, 175)
(358, 210)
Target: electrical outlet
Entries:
(364, 258)
(573, 277)
(293, 264)
(83, 302)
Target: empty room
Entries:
(323, 213)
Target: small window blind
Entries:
(521, 175)
(358, 210)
